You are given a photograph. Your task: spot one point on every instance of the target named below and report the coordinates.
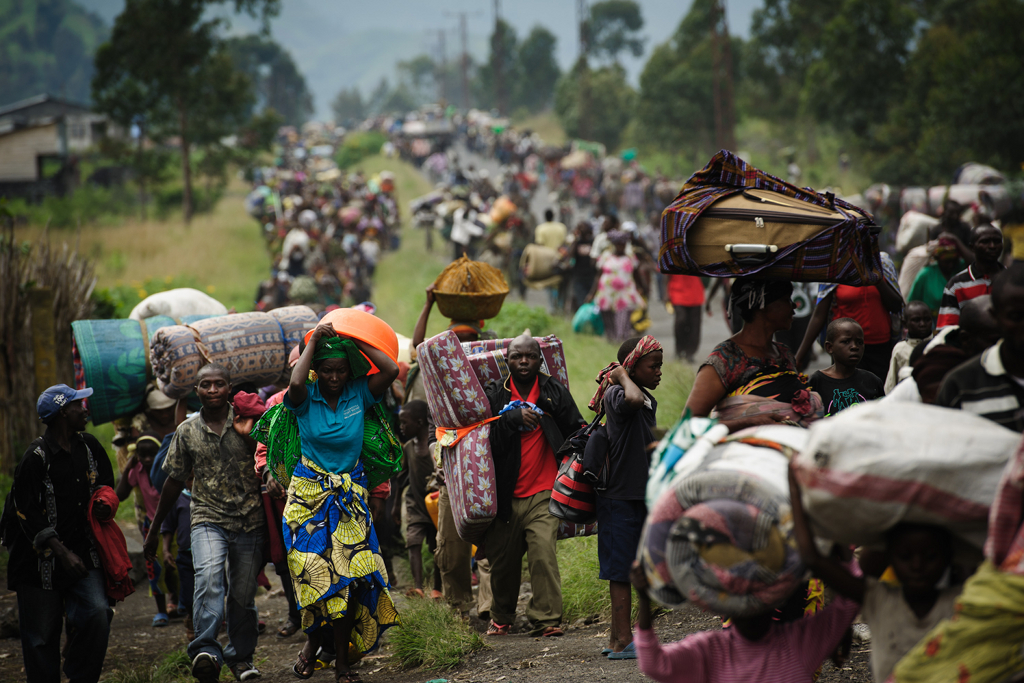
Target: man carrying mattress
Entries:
(536, 415)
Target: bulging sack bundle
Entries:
(470, 290)
(254, 347)
(721, 534)
(876, 465)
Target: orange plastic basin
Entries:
(364, 327)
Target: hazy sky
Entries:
(341, 43)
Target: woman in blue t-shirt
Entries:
(333, 554)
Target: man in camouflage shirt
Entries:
(227, 528)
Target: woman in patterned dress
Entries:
(333, 555)
(615, 291)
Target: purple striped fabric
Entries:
(846, 253)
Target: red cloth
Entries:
(685, 290)
(248, 405)
(111, 546)
(537, 467)
(864, 304)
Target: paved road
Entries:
(714, 329)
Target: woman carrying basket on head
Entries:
(333, 554)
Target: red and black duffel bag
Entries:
(730, 219)
(572, 496)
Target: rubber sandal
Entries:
(347, 677)
(496, 629)
(552, 632)
(414, 593)
(304, 663)
(288, 630)
(628, 652)
(436, 595)
(160, 620)
(606, 651)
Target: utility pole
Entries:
(464, 59)
(721, 83)
(583, 116)
(499, 67)
(443, 80)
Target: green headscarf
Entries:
(337, 347)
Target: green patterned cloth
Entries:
(338, 347)
(278, 430)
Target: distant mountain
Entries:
(47, 46)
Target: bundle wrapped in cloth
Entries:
(254, 347)
(112, 357)
(487, 356)
(876, 465)
(720, 534)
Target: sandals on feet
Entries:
(628, 652)
(305, 666)
(496, 629)
(288, 630)
(552, 632)
(347, 677)
(160, 620)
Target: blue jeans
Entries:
(41, 618)
(225, 561)
(186, 579)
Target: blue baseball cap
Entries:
(56, 397)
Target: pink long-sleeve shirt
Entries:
(788, 653)
(382, 491)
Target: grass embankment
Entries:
(432, 636)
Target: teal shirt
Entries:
(333, 439)
(928, 287)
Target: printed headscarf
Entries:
(339, 347)
(646, 345)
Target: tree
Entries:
(279, 83)
(166, 53)
(348, 105)
(420, 77)
(607, 92)
(676, 102)
(498, 76)
(538, 70)
(614, 27)
(864, 48)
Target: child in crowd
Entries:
(918, 320)
(899, 616)
(136, 473)
(624, 397)
(843, 385)
(420, 465)
(178, 525)
(756, 648)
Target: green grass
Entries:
(174, 667)
(583, 594)
(432, 636)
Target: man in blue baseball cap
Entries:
(54, 566)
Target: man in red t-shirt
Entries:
(539, 415)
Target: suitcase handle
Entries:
(751, 254)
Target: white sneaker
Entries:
(244, 671)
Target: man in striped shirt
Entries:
(992, 384)
(976, 279)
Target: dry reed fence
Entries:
(23, 268)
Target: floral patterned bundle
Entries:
(454, 393)
(487, 357)
(469, 476)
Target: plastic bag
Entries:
(588, 320)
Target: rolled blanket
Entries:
(721, 534)
(454, 393)
(254, 347)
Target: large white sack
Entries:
(177, 303)
(876, 465)
(913, 230)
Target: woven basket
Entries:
(470, 290)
